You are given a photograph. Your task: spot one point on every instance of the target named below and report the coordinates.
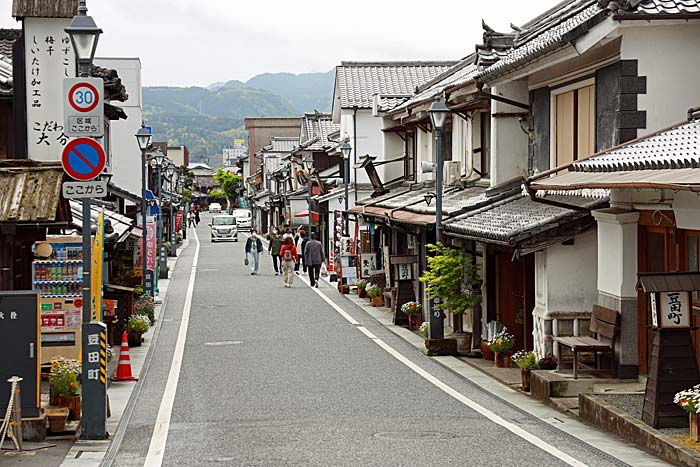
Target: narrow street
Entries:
(274, 376)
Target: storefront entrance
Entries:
(664, 248)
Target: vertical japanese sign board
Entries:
(150, 250)
(97, 259)
(673, 366)
(49, 57)
(94, 381)
(19, 346)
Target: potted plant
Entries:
(548, 362)
(375, 294)
(502, 345)
(361, 289)
(414, 311)
(526, 361)
(64, 381)
(138, 324)
(493, 328)
(689, 400)
(57, 418)
(145, 305)
(424, 329)
(453, 279)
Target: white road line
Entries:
(156, 449)
(460, 397)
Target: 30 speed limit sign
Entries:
(83, 107)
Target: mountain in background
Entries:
(207, 119)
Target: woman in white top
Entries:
(300, 244)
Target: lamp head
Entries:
(438, 113)
(143, 136)
(309, 162)
(83, 34)
(158, 158)
(345, 149)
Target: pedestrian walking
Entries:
(253, 249)
(274, 250)
(289, 256)
(196, 216)
(300, 243)
(190, 219)
(288, 233)
(314, 257)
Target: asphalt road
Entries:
(273, 376)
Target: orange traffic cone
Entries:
(124, 368)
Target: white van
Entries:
(215, 208)
(243, 217)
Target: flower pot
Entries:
(135, 339)
(502, 359)
(361, 293)
(694, 426)
(525, 379)
(377, 301)
(486, 352)
(414, 321)
(72, 403)
(57, 419)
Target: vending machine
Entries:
(57, 275)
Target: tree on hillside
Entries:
(230, 184)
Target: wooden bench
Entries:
(604, 327)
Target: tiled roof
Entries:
(30, 193)
(6, 83)
(282, 144)
(542, 38)
(386, 103)
(675, 148)
(7, 40)
(455, 76)
(667, 7)
(558, 26)
(515, 219)
(315, 128)
(358, 82)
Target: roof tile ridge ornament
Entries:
(619, 5)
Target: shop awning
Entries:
(666, 159)
(669, 281)
(30, 192)
(122, 225)
(521, 223)
(673, 179)
(305, 213)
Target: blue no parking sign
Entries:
(83, 159)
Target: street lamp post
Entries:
(158, 162)
(170, 171)
(84, 35)
(143, 137)
(309, 165)
(438, 114)
(285, 174)
(345, 148)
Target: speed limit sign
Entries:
(83, 107)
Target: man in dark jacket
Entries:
(274, 250)
(253, 248)
(313, 258)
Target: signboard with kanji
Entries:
(94, 387)
(19, 347)
(80, 190)
(670, 309)
(83, 108)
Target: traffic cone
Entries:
(124, 368)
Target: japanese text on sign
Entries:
(675, 309)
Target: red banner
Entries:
(178, 220)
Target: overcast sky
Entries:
(198, 42)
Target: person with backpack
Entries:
(274, 250)
(300, 242)
(253, 248)
(288, 254)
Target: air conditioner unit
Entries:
(452, 172)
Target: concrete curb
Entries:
(613, 420)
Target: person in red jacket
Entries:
(288, 254)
